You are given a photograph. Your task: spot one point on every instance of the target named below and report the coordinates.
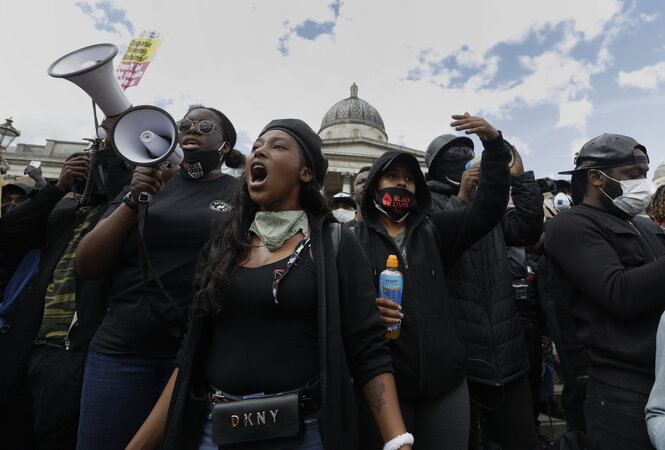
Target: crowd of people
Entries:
(184, 307)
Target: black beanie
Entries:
(309, 142)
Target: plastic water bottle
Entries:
(391, 284)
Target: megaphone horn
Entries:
(91, 68)
(476, 161)
(146, 135)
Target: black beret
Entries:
(606, 151)
(309, 142)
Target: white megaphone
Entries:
(91, 69)
(476, 161)
(146, 135)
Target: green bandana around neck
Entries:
(275, 227)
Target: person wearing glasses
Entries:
(280, 308)
(132, 353)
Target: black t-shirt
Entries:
(258, 345)
(178, 224)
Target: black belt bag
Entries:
(259, 422)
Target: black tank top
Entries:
(258, 345)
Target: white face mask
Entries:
(561, 202)
(343, 215)
(635, 197)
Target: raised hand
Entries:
(474, 125)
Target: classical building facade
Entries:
(52, 156)
(352, 132)
(354, 136)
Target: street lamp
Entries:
(7, 134)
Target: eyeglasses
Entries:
(204, 126)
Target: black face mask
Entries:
(451, 164)
(199, 163)
(395, 202)
(8, 207)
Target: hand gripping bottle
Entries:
(391, 284)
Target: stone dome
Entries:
(659, 175)
(353, 110)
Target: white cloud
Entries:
(648, 77)
(574, 113)
(521, 146)
(225, 54)
(648, 18)
(576, 146)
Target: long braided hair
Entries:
(657, 205)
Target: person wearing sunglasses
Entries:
(281, 308)
(132, 353)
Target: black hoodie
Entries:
(429, 355)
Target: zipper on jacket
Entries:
(71, 325)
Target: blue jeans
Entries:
(119, 391)
(311, 440)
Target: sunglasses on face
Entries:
(204, 126)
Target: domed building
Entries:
(659, 176)
(354, 136)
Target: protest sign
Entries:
(137, 58)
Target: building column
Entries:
(347, 178)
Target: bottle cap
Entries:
(392, 261)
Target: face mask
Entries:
(199, 163)
(635, 197)
(395, 202)
(451, 164)
(343, 215)
(561, 202)
(5, 209)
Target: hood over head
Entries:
(423, 197)
(441, 142)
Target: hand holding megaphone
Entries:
(514, 157)
(146, 181)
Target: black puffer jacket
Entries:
(429, 355)
(482, 284)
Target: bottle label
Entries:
(391, 288)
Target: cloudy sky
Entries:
(549, 74)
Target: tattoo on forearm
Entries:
(374, 390)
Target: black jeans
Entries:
(573, 397)
(504, 414)
(44, 410)
(615, 418)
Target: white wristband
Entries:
(398, 441)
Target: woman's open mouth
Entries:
(190, 144)
(257, 175)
